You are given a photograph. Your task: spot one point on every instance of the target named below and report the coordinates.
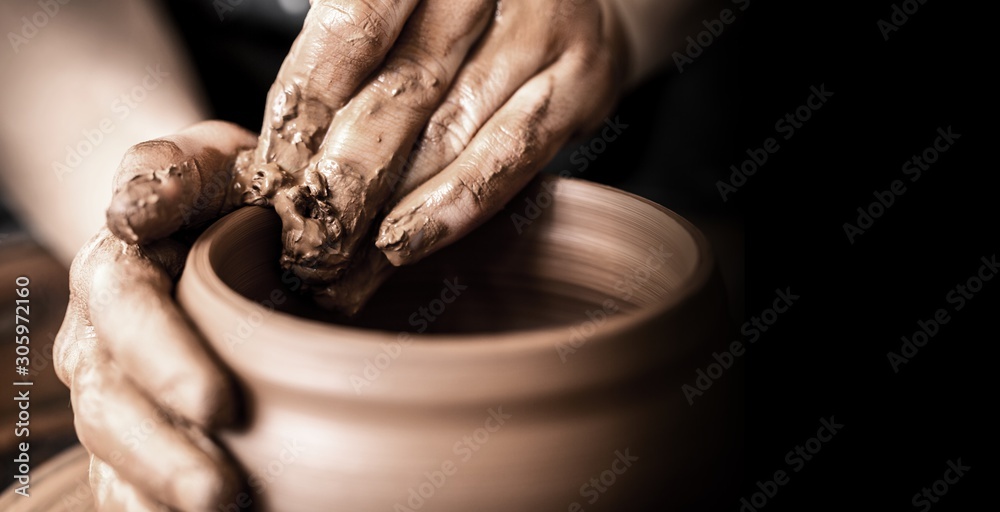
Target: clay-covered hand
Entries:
(431, 114)
(143, 387)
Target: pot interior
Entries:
(558, 255)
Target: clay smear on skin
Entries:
(327, 205)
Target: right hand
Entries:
(415, 121)
(144, 388)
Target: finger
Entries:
(363, 151)
(112, 494)
(184, 179)
(162, 459)
(341, 43)
(350, 293)
(498, 162)
(144, 331)
(76, 336)
(497, 68)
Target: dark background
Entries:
(827, 356)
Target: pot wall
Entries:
(571, 375)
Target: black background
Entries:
(828, 355)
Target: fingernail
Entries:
(149, 206)
(404, 239)
(117, 218)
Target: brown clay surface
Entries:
(510, 339)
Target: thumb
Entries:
(167, 184)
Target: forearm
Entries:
(94, 80)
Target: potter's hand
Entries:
(483, 92)
(543, 71)
(143, 387)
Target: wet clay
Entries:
(326, 208)
(328, 201)
(329, 160)
(522, 364)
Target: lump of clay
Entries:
(327, 208)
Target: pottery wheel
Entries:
(60, 485)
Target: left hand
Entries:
(145, 389)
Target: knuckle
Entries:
(143, 156)
(156, 147)
(364, 28)
(587, 57)
(416, 80)
(471, 206)
(79, 268)
(470, 17)
(101, 478)
(88, 414)
(452, 127)
(575, 9)
(61, 356)
(99, 251)
(511, 144)
(109, 281)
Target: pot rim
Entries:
(503, 341)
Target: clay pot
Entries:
(545, 350)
